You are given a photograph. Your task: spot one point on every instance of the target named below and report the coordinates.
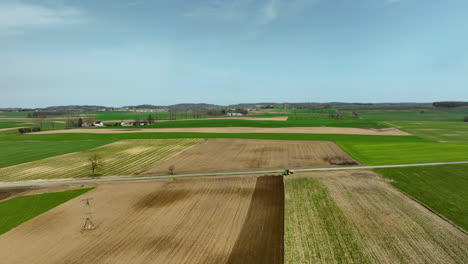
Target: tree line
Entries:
(450, 104)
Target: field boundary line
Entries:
(423, 205)
(127, 178)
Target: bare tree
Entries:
(150, 119)
(88, 119)
(172, 114)
(356, 115)
(171, 170)
(95, 163)
(39, 121)
(337, 116)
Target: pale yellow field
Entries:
(120, 158)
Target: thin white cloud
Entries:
(257, 11)
(276, 9)
(220, 10)
(17, 15)
(270, 11)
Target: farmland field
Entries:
(367, 149)
(436, 131)
(266, 124)
(13, 153)
(119, 158)
(205, 220)
(220, 155)
(21, 209)
(434, 114)
(442, 188)
(356, 217)
(385, 153)
(8, 131)
(295, 130)
(301, 120)
(12, 124)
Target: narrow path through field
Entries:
(123, 178)
(287, 130)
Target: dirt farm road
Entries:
(124, 178)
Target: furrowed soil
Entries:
(286, 130)
(226, 155)
(202, 220)
(357, 217)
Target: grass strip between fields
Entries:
(266, 123)
(18, 210)
(443, 188)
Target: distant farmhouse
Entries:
(98, 124)
(235, 114)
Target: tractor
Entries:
(287, 172)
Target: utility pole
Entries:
(88, 225)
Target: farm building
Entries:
(234, 114)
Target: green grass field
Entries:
(442, 188)
(266, 123)
(18, 210)
(13, 153)
(435, 130)
(132, 115)
(386, 153)
(22, 114)
(123, 115)
(415, 114)
(120, 158)
(9, 132)
(9, 124)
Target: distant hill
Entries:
(189, 106)
(145, 106)
(175, 106)
(193, 106)
(450, 104)
(75, 108)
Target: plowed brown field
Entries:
(223, 155)
(204, 220)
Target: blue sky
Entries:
(126, 52)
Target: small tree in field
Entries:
(465, 119)
(150, 119)
(171, 170)
(95, 163)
